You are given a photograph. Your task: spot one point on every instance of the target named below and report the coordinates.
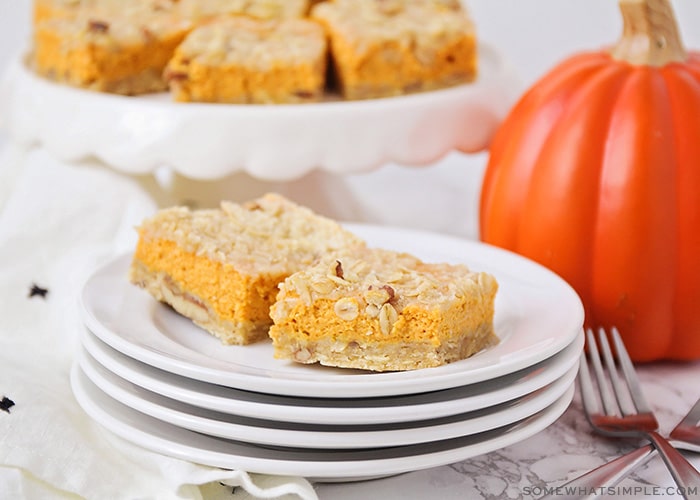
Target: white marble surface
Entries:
(534, 35)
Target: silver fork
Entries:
(626, 412)
(685, 436)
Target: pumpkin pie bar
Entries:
(109, 46)
(383, 48)
(221, 267)
(383, 311)
(243, 60)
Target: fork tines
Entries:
(625, 398)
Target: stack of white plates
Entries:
(153, 378)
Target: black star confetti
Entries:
(6, 404)
(37, 291)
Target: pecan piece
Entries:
(339, 269)
(97, 26)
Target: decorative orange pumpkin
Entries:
(595, 173)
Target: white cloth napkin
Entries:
(57, 222)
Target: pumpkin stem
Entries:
(650, 34)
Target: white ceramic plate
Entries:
(328, 465)
(209, 141)
(280, 433)
(336, 411)
(537, 315)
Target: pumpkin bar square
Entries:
(221, 267)
(110, 46)
(383, 311)
(383, 48)
(242, 60)
(205, 10)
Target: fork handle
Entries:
(608, 474)
(687, 477)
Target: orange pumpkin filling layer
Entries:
(231, 295)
